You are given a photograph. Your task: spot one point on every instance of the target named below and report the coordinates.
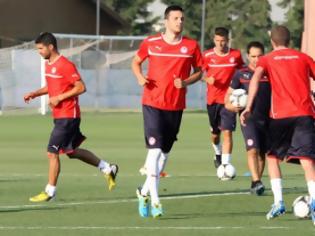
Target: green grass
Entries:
(193, 201)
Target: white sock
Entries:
(104, 167)
(152, 165)
(311, 188)
(217, 148)
(162, 161)
(226, 159)
(50, 190)
(276, 187)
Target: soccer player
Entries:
(220, 64)
(170, 59)
(291, 130)
(64, 85)
(255, 131)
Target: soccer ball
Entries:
(226, 172)
(301, 207)
(238, 98)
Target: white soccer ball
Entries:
(238, 98)
(301, 207)
(226, 172)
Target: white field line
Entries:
(127, 200)
(30, 175)
(136, 228)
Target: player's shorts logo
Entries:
(232, 60)
(152, 141)
(184, 50)
(250, 142)
(53, 70)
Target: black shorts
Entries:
(292, 138)
(220, 118)
(161, 127)
(65, 136)
(255, 134)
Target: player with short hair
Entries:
(291, 130)
(255, 131)
(220, 63)
(170, 59)
(63, 86)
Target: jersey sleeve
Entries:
(312, 67)
(197, 58)
(71, 73)
(235, 83)
(143, 51)
(262, 62)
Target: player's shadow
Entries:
(41, 208)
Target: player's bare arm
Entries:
(228, 105)
(37, 93)
(252, 91)
(78, 88)
(137, 70)
(179, 83)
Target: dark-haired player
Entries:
(63, 86)
(255, 131)
(220, 64)
(170, 58)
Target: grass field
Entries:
(194, 200)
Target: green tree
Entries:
(246, 19)
(294, 19)
(135, 12)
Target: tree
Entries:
(294, 19)
(246, 19)
(135, 12)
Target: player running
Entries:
(255, 131)
(291, 131)
(170, 59)
(64, 85)
(220, 64)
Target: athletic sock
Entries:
(152, 181)
(276, 187)
(104, 167)
(226, 159)
(162, 161)
(311, 189)
(217, 148)
(50, 190)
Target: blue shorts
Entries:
(255, 134)
(221, 118)
(292, 138)
(161, 127)
(65, 136)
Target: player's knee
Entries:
(51, 155)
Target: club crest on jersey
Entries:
(232, 60)
(152, 141)
(250, 142)
(184, 50)
(53, 70)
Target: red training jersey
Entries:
(222, 68)
(165, 63)
(60, 77)
(289, 71)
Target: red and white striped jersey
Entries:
(222, 68)
(60, 77)
(165, 63)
